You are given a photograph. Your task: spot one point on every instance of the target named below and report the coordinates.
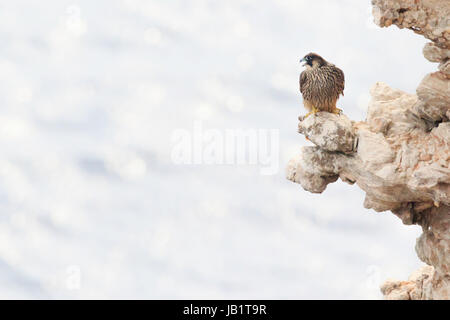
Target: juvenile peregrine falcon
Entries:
(320, 84)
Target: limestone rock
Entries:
(444, 67)
(329, 131)
(416, 288)
(434, 96)
(313, 169)
(435, 54)
(430, 18)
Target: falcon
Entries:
(321, 84)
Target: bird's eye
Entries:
(308, 58)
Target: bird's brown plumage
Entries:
(321, 84)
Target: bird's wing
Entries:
(302, 81)
(340, 80)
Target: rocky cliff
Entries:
(400, 156)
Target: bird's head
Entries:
(313, 60)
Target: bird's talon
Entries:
(314, 110)
(337, 111)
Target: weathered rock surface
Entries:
(434, 94)
(435, 54)
(429, 18)
(400, 156)
(416, 288)
(335, 133)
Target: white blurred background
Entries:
(91, 203)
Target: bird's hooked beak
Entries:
(303, 60)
